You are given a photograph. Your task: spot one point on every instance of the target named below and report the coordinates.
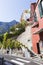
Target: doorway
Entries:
(38, 48)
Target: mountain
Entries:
(5, 26)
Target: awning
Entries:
(34, 24)
(38, 31)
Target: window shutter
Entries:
(40, 11)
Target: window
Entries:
(35, 17)
(41, 8)
(42, 4)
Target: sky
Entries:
(12, 9)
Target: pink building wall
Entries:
(36, 37)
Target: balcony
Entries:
(35, 24)
(38, 31)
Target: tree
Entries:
(18, 29)
(9, 41)
(4, 40)
(12, 44)
(0, 45)
(13, 28)
(5, 36)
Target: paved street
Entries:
(14, 60)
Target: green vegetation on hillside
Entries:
(7, 40)
(18, 29)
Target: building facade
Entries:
(36, 16)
